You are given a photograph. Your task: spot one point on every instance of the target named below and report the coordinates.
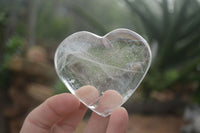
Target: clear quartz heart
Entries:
(103, 72)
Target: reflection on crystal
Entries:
(117, 61)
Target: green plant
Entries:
(3, 20)
(12, 47)
(59, 87)
(175, 28)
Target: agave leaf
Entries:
(166, 17)
(148, 23)
(81, 13)
(171, 38)
(178, 39)
(193, 23)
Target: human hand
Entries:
(62, 114)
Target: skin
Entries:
(88, 94)
(51, 116)
(109, 100)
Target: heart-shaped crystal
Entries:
(103, 72)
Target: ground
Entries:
(149, 124)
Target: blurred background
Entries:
(168, 99)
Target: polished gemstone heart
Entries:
(103, 72)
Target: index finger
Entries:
(52, 110)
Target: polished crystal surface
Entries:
(103, 72)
